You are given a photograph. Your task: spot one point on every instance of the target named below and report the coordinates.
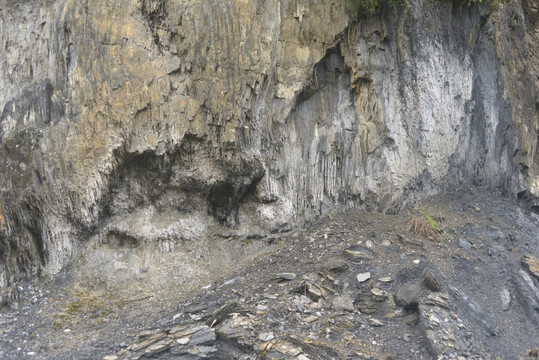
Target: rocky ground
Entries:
(351, 286)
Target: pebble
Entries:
(375, 322)
(310, 319)
(505, 296)
(362, 277)
(286, 276)
(466, 245)
(359, 253)
(343, 302)
(183, 340)
(266, 336)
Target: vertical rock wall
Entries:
(165, 121)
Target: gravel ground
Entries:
(350, 286)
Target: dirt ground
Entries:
(307, 288)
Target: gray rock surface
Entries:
(152, 124)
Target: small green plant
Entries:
(434, 224)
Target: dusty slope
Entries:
(324, 312)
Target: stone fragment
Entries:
(433, 320)
(379, 295)
(204, 336)
(343, 303)
(314, 291)
(157, 347)
(310, 319)
(404, 240)
(375, 322)
(531, 263)
(439, 300)
(286, 276)
(261, 307)
(357, 252)
(220, 314)
(431, 282)
(464, 244)
(362, 277)
(527, 293)
(285, 348)
(377, 302)
(408, 295)
(183, 340)
(266, 336)
(505, 297)
(335, 266)
(238, 328)
(385, 279)
(147, 333)
(110, 357)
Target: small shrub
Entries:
(421, 227)
(426, 226)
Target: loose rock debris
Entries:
(308, 302)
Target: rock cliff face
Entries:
(161, 122)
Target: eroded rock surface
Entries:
(128, 127)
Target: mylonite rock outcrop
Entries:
(162, 121)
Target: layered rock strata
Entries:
(161, 122)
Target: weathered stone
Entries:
(362, 277)
(412, 242)
(310, 319)
(408, 295)
(220, 314)
(375, 322)
(358, 253)
(527, 293)
(335, 266)
(505, 298)
(531, 263)
(343, 302)
(266, 336)
(286, 276)
(377, 302)
(432, 283)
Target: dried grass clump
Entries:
(421, 226)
